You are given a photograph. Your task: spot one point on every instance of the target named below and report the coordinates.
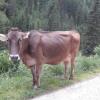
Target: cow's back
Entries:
(57, 46)
(54, 47)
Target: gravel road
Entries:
(87, 90)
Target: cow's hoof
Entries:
(71, 78)
(35, 86)
(63, 78)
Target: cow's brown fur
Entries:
(51, 48)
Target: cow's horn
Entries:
(3, 37)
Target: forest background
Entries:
(52, 15)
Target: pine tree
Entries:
(54, 16)
(92, 37)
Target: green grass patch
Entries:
(18, 85)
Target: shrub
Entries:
(87, 63)
(97, 50)
(5, 64)
(4, 22)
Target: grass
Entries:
(18, 85)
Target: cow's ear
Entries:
(26, 35)
(3, 37)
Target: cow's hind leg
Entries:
(72, 72)
(65, 69)
(33, 71)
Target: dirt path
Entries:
(87, 90)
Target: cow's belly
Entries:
(56, 60)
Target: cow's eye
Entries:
(8, 41)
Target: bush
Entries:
(5, 64)
(4, 22)
(97, 50)
(87, 63)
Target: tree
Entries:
(92, 37)
(47, 14)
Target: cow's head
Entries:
(14, 39)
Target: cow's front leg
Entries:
(36, 70)
(33, 71)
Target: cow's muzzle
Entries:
(14, 58)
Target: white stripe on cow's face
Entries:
(14, 56)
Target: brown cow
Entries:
(35, 49)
